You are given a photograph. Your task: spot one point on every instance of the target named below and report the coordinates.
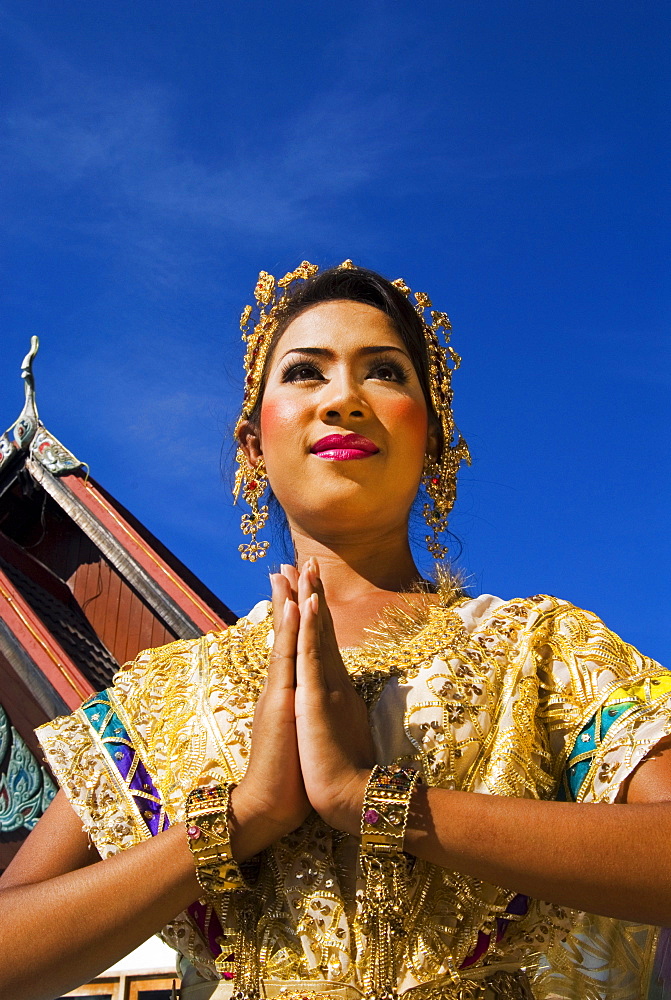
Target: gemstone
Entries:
(585, 737)
(118, 755)
(193, 832)
(252, 485)
(371, 816)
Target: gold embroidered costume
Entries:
(529, 698)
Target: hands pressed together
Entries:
(312, 747)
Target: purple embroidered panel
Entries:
(517, 906)
(660, 979)
(107, 724)
(207, 922)
(122, 755)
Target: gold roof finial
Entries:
(29, 433)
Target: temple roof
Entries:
(28, 435)
(84, 587)
(53, 603)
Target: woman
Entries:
(425, 769)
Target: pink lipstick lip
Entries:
(342, 447)
(343, 454)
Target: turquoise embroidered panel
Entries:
(103, 718)
(637, 695)
(587, 743)
(26, 788)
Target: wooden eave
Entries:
(147, 566)
(36, 656)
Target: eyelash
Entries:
(401, 374)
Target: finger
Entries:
(308, 651)
(280, 592)
(282, 661)
(305, 585)
(291, 574)
(335, 671)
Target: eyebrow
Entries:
(325, 352)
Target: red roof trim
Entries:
(56, 665)
(149, 560)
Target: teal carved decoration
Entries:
(29, 433)
(26, 789)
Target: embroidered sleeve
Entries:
(605, 705)
(126, 758)
(98, 766)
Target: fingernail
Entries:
(314, 602)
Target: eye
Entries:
(301, 371)
(389, 371)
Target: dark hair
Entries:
(358, 284)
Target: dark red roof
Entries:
(84, 587)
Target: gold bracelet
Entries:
(208, 836)
(384, 911)
(386, 804)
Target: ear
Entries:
(433, 439)
(250, 442)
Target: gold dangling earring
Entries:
(253, 481)
(435, 513)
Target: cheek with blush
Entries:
(279, 421)
(407, 422)
(284, 440)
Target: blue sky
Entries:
(510, 159)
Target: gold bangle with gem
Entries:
(208, 836)
(384, 817)
(386, 804)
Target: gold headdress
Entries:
(440, 474)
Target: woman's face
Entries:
(344, 425)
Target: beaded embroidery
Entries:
(485, 696)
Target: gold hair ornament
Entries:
(440, 474)
(253, 481)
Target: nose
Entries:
(342, 399)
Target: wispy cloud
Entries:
(97, 141)
(507, 159)
(108, 160)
